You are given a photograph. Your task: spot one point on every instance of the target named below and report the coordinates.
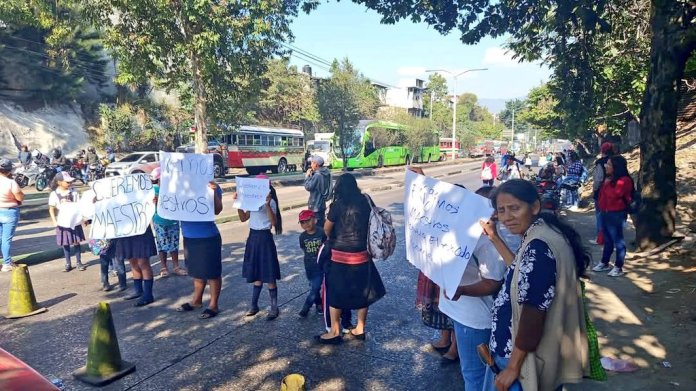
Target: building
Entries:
(409, 97)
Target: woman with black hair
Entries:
(260, 255)
(352, 280)
(615, 196)
(538, 329)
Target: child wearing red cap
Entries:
(310, 242)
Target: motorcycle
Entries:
(46, 175)
(25, 175)
(569, 187)
(549, 195)
(95, 172)
(75, 171)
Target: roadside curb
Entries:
(39, 257)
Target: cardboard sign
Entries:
(184, 194)
(442, 227)
(69, 215)
(251, 193)
(123, 206)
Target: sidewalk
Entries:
(34, 240)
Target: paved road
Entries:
(231, 352)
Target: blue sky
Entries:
(397, 54)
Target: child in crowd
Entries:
(65, 213)
(310, 242)
(260, 255)
(166, 233)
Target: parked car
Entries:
(135, 163)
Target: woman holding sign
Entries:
(203, 254)
(538, 316)
(68, 221)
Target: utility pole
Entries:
(432, 97)
(454, 113)
(512, 147)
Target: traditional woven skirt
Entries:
(167, 237)
(140, 246)
(260, 257)
(352, 281)
(69, 236)
(204, 257)
(427, 299)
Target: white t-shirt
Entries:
(258, 220)
(69, 213)
(475, 312)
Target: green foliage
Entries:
(287, 97)
(343, 99)
(417, 132)
(117, 126)
(439, 109)
(220, 48)
(48, 51)
(541, 112)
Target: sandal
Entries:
(186, 307)
(207, 314)
(179, 271)
(164, 273)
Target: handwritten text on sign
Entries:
(124, 206)
(251, 193)
(184, 193)
(442, 227)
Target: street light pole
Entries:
(454, 112)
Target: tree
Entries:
(343, 100)
(564, 34)
(541, 111)
(438, 110)
(287, 97)
(48, 50)
(219, 48)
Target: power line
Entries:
(92, 72)
(45, 45)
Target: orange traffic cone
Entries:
(293, 382)
(104, 363)
(21, 299)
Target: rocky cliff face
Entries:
(49, 127)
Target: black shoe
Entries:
(320, 310)
(68, 268)
(106, 287)
(122, 288)
(337, 340)
(272, 314)
(253, 311)
(143, 302)
(359, 337)
(133, 295)
(304, 312)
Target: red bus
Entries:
(446, 148)
(258, 149)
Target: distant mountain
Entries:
(495, 106)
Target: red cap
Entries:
(306, 215)
(606, 147)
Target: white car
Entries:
(134, 163)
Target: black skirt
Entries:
(140, 246)
(261, 258)
(204, 257)
(352, 287)
(69, 236)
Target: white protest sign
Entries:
(184, 194)
(442, 227)
(123, 207)
(69, 215)
(251, 193)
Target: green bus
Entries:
(377, 143)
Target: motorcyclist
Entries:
(38, 158)
(57, 158)
(91, 156)
(110, 155)
(24, 155)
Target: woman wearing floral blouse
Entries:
(538, 329)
